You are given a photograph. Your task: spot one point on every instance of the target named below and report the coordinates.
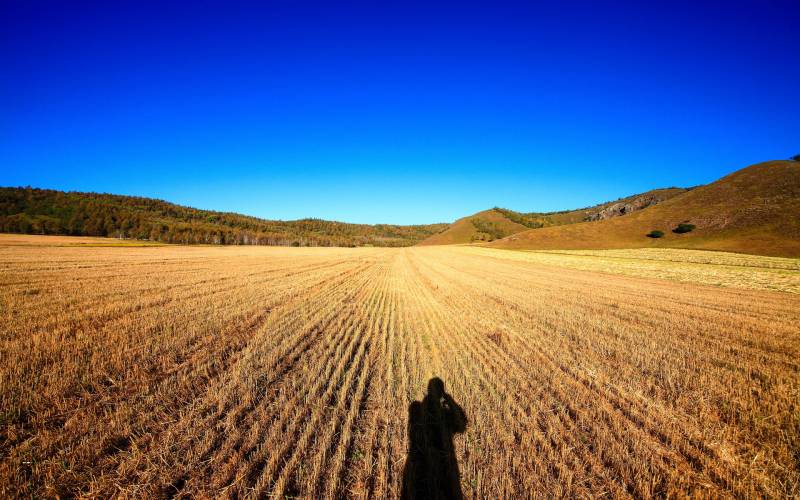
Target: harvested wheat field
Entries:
(250, 371)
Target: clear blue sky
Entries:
(392, 111)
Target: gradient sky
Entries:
(392, 111)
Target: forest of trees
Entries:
(487, 231)
(531, 220)
(42, 211)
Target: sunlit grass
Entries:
(693, 266)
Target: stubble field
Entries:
(249, 371)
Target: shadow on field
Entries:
(431, 467)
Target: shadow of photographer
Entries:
(431, 469)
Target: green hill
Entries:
(42, 211)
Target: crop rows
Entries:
(236, 372)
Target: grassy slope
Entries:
(465, 231)
(754, 210)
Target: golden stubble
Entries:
(248, 371)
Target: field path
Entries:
(273, 372)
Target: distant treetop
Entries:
(43, 211)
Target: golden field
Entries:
(261, 371)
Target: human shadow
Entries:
(431, 467)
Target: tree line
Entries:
(43, 211)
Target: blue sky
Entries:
(393, 112)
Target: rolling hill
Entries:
(44, 211)
(488, 225)
(754, 210)
(497, 223)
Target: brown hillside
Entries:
(483, 226)
(498, 223)
(611, 209)
(754, 210)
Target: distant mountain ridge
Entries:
(44, 211)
